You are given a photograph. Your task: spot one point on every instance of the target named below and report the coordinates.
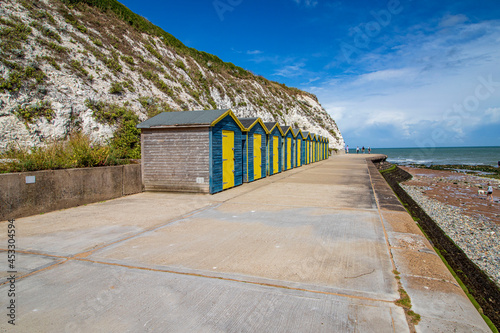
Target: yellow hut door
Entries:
(227, 159)
(288, 153)
(257, 156)
(298, 152)
(276, 155)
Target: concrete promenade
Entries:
(321, 248)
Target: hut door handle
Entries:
(233, 171)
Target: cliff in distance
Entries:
(85, 65)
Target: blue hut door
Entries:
(257, 156)
(227, 159)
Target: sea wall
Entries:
(30, 193)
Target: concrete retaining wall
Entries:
(30, 193)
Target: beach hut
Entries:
(313, 142)
(274, 147)
(192, 151)
(254, 151)
(297, 134)
(325, 148)
(315, 150)
(307, 147)
(289, 148)
(322, 147)
(320, 141)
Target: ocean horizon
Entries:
(482, 155)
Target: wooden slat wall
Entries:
(245, 156)
(277, 133)
(226, 124)
(174, 158)
(259, 130)
(289, 134)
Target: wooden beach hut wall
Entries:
(274, 147)
(320, 148)
(323, 156)
(313, 147)
(289, 148)
(316, 148)
(254, 152)
(325, 148)
(307, 147)
(192, 151)
(297, 161)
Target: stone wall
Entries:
(30, 193)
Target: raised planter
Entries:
(30, 193)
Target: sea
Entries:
(441, 156)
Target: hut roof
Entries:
(296, 131)
(285, 129)
(187, 118)
(271, 125)
(248, 123)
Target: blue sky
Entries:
(398, 73)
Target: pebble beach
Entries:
(452, 201)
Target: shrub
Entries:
(179, 63)
(77, 152)
(116, 88)
(126, 141)
(128, 59)
(51, 34)
(96, 41)
(31, 113)
(127, 138)
(78, 68)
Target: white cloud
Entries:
(494, 114)
(425, 82)
(451, 20)
(307, 3)
(291, 70)
(402, 74)
(254, 52)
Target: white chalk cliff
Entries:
(57, 59)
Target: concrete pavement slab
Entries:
(331, 249)
(80, 229)
(442, 303)
(26, 263)
(300, 195)
(121, 299)
(312, 249)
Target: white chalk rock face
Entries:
(114, 64)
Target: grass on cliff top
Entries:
(77, 152)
